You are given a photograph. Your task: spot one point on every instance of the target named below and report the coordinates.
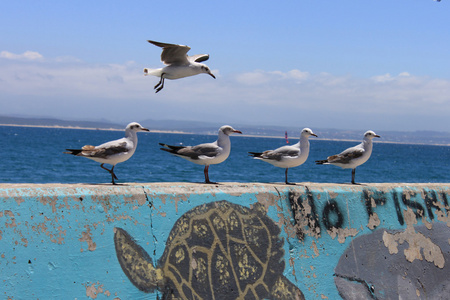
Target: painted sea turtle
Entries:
(218, 250)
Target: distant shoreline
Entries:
(183, 132)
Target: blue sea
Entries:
(35, 155)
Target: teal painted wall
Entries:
(328, 241)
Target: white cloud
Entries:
(260, 77)
(27, 55)
(66, 87)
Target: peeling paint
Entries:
(95, 289)
(342, 233)
(44, 226)
(420, 247)
(86, 236)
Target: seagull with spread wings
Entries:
(179, 64)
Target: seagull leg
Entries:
(110, 172)
(206, 174)
(286, 175)
(353, 176)
(160, 84)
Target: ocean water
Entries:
(35, 155)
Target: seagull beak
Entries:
(313, 134)
(376, 135)
(145, 129)
(212, 75)
(236, 131)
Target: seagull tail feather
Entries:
(255, 154)
(154, 72)
(73, 151)
(170, 148)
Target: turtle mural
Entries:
(218, 250)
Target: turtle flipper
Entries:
(283, 289)
(136, 263)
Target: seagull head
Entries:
(205, 69)
(136, 127)
(308, 132)
(228, 130)
(370, 135)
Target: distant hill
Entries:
(411, 137)
(7, 120)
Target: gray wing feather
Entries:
(199, 57)
(279, 153)
(200, 150)
(106, 151)
(172, 53)
(346, 156)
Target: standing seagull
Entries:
(206, 154)
(113, 152)
(352, 157)
(288, 156)
(179, 64)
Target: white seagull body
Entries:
(208, 153)
(179, 64)
(288, 156)
(354, 156)
(112, 152)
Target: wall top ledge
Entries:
(225, 187)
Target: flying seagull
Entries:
(113, 152)
(352, 157)
(179, 64)
(206, 154)
(288, 156)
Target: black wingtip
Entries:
(255, 154)
(73, 151)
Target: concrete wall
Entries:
(148, 241)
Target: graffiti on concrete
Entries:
(333, 216)
(218, 250)
(396, 264)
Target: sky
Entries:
(360, 65)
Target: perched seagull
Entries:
(179, 64)
(288, 156)
(113, 152)
(206, 154)
(352, 157)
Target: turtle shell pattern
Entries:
(222, 250)
(218, 250)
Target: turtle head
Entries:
(136, 263)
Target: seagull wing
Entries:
(198, 57)
(104, 151)
(347, 155)
(278, 154)
(172, 53)
(194, 152)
